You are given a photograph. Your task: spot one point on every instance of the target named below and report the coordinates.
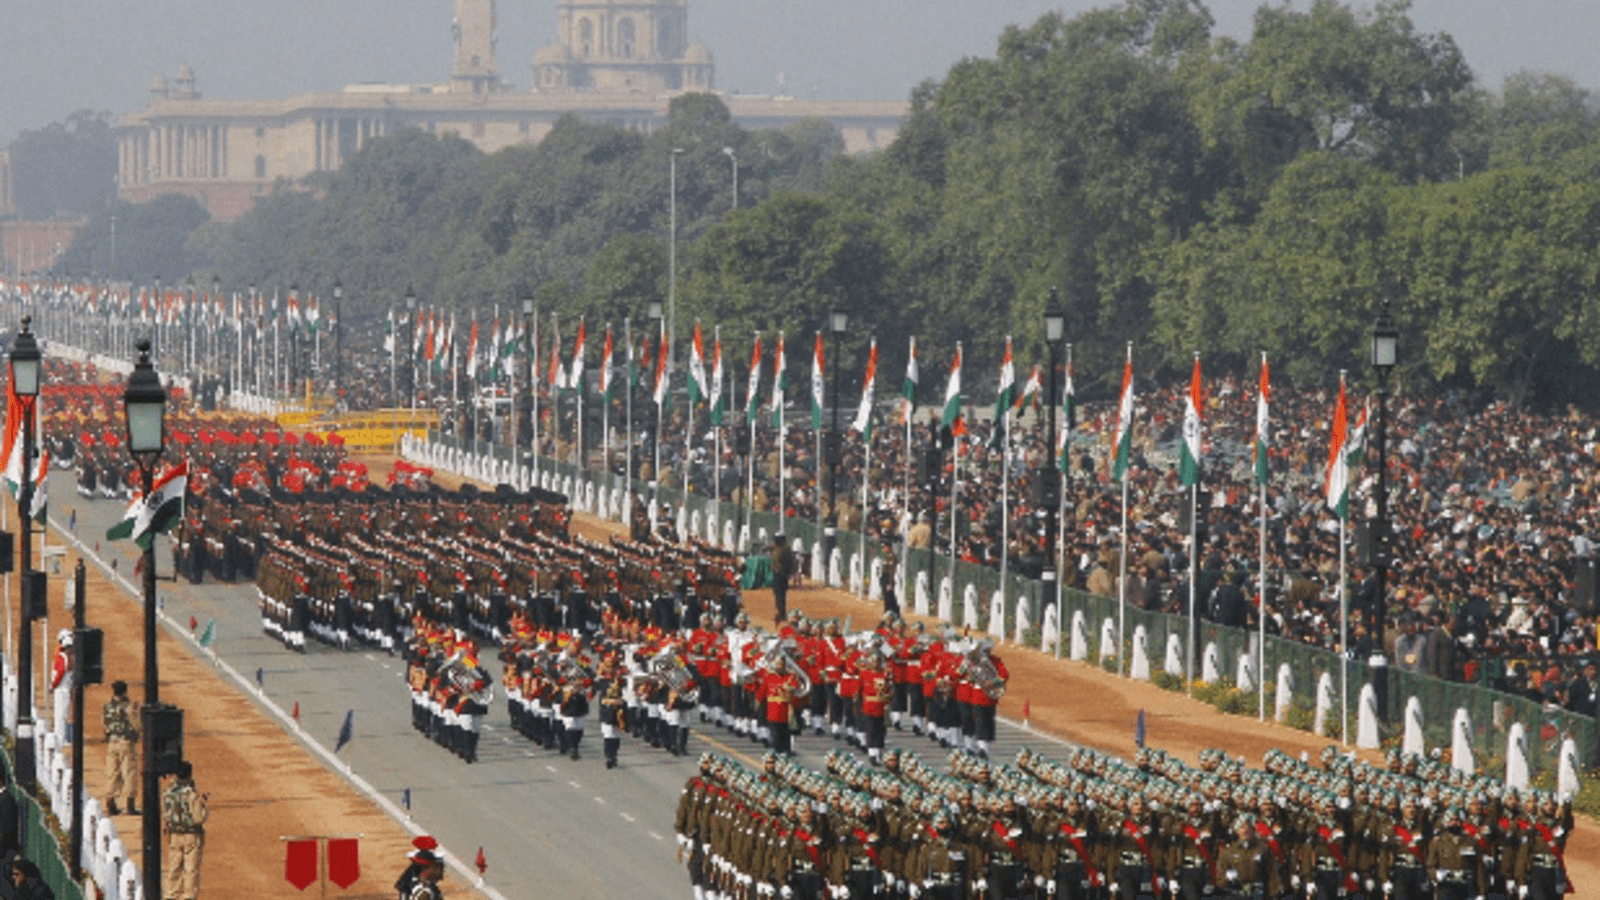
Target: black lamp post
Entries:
(531, 404)
(25, 364)
(654, 310)
(1055, 326)
(212, 332)
(145, 405)
(1385, 341)
(338, 316)
(255, 340)
(838, 324)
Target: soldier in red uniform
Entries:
(850, 693)
(983, 694)
(877, 684)
(780, 691)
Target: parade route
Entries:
(548, 826)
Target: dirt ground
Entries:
(264, 784)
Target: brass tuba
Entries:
(670, 668)
(780, 654)
(468, 681)
(980, 669)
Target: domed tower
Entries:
(623, 46)
(473, 70)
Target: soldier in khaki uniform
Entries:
(1454, 861)
(122, 736)
(1243, 869)
(183, 811)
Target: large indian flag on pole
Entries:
(154, 513)
(1263, 433)
(863, 422)
(780, 382)
(1003, 396)
(1189, 451)
(697, 368)
(816, 384)
(1068, 411)
(952, 393)
(1338, 477)
(716, 379)
(908, 388)
(752, 392)
(661, 368)
(1123, 443)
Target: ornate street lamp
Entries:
(26, 361)
(1385, 347)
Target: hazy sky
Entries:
(65, 55)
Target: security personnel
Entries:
(183, 811)
(122, 736)
(1402, 861)
(1192, 849)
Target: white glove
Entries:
(1438, 874)
(1231, 875)
(1050, 886)
(1038, 881)
(981, 885)
(888, 880)
(1522, 890)
(1511, 888)
(1115, 887)
(1014, 833)
(1388, 887)
(915, 891)
(1172, 887)
(1294, 881)
(786, 893)
(1368, 885)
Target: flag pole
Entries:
(1005, 508)
(955, 487)
(1344, 644)
(1122, 578)
(627, 393)
(1194, 573)
(605, 410)
(1261, 597)
(581, 459)
(716, 443)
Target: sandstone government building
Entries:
(619, 61)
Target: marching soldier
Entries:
(1403, 857)
(122, 736)
(1192, 850)
(1243, 869)
(612, 713)
(1454, 861)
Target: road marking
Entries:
(627, 817)
(600, 800)
(654, 835)
(575, 784)
(547, 765)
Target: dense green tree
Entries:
(152, 239)
(65, 169)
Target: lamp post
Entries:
(25, 365)
(533, 384)
(838, 324)
(338, 362)
(144, 403)
(654, 310)
(672, 263)
(1055, 326)
(255, 339)
(735, 157)
(1385, 344)
(211, 333)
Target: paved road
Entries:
(548, 826)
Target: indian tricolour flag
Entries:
(154, 513)
(1355, 446)
(1068, 411)
(908, 388)
(1123, 442)
(1189, 451)
(605, 365)
(752, 391)
(716, 379)
(952, 393)
(816, 384)
(1003, 396)
(697, 368)
(780, 382)
(1338, 477)
(1263, 433)
(662, 349)
(863, 422)
(575, 375)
